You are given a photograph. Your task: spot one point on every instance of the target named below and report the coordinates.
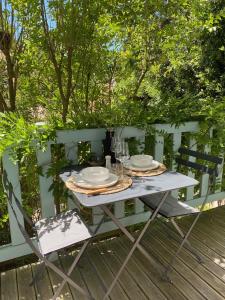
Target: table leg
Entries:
(136, 243)
(77, 258)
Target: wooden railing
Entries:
(70, 139)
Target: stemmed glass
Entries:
(121, 149)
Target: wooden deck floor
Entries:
(141, 279)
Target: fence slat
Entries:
(71, 150)
(205, 177)
(220, 176)
(70, 138)
(176, 146)
(159, 147)
(138, 206)
(12, 171)
(190, 190)
(119, 209)
(46, 196)
(97, 148)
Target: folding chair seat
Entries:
(173, 208)
(52, 234)
(61, 231)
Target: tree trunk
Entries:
(11, 81)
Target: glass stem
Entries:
(122, 173)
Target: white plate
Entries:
(154, 165)
(79, 181)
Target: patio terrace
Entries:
(141, 280)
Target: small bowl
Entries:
(141, 160)
(95, 174)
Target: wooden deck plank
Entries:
(76, 276)
(24, 278)
(91, 279)
(9, 285)
(55, 282)
(137, 274)
(205, 237)
(43, 285)
(210, 228)
(141, 279)
(106, 275)
(164, 252)
(203, 248)
(209, 256)
(125, 279)
(204, 271)
(154, 270)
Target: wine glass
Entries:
(121, 150)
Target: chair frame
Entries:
(213, 172)
(65, 276)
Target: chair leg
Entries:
(76, 260)
(188, 244)
(170, 265)
(38, 275)
(66, 278)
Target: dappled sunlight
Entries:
(220, 262)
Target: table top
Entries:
(142, 186)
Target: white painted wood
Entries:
(190, 190)
(119, 209)
(97, 147)
(211, 198)
(129, 132)
(138, 206)
(129, 220)
(159, 147)
(96, 215)
(187, 127)
(70, 138)
(205, 177)
(9, 251)
(220, 176)
(71, 150)
(12, 171)
(46, 196)
(67, 136)
(176, 146)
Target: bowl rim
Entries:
(137, 159)
(88, 175)
(94, 167)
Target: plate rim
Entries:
(131, 167)
(88, 185)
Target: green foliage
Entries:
(111, 63)
(20, 137)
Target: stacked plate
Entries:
(95, 178)
(141, 162)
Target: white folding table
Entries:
(142, 186)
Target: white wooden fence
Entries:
(71, 138)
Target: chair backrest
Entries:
(214, 161)
(12, 197)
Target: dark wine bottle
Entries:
(107, 142)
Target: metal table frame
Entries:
(163, 183)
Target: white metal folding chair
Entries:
(53, 234)
(173, 208)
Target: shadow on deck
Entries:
(141, 279)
